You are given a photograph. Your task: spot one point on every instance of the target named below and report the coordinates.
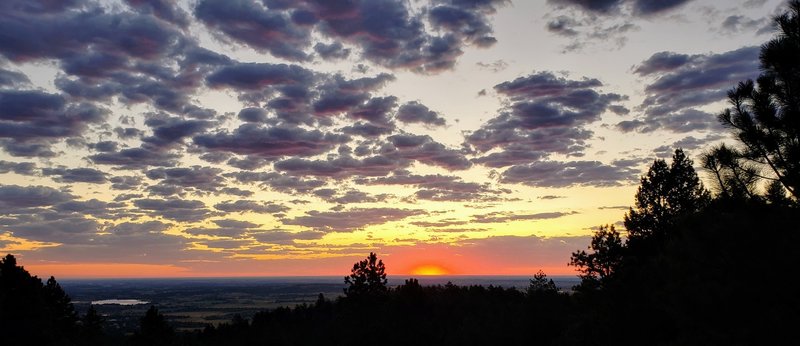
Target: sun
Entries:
(429, 270)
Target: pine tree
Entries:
(765, 115)
(368, 277)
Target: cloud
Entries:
(163, 9)
(415, 112)
(333, 51)
(616, 7)
(126, 242)
(257, 26)
(277, 181)
(76, 175)
(244, 206)
(198, 178)
(284, 237)
(352, 219)
(135, 158)
(503, 217)
(15, 197)
(545, 115)
(735, 24)
(385, 32)
(174, 209)
(681, 83)
(10, 78)
(21, 168)
(271, 142)
(254, 76)
(32, 121)
(572, 173)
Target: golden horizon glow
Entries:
(429, 270)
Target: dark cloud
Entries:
(22, 168)
(599, 6)
(255, 76)
(54, 227)
(441, 223)
(104, 146)
(333, 51)
(31, 121)
(163, 9)
(400, 152)
(386, 32)
(426, 150)
(546, 115)
(415, 112)
(573, 173)
(253, 115)
(174, 209)
(257, 26)
(562, 25)
(135, 158)
(168, 131)
(248, 206)
(681, 83)
(277, 181)
(352, 219)
(284, 237)
(125, 242)
(503, 217)
(688, 143)
(549, 197)
(271, 142)
(367, 130)
(93, 207)
(735, 24)
(614, 7)
(466, 20)
(125, 182)
(14, 197)
(339, 95)
(348, 196)
(440, 187)
(339, 167)
(652, 7)
(194, 178)
(76, 175)
(130, 55)
(10, 78)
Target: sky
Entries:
(158, 138)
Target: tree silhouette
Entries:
(91, 331)
(606, 255)
(765, 115)
(33, 313)
(665, 193)
(368, 277)
(735, 179)
(154, 329)
(540, 284)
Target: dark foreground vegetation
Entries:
(693, 267)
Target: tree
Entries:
(540, 284)
(734, 179)
(153, 329)
(765, 115)
(33, 313)
(604, 259)
(666, 193)
(368, 277)
(91, 331)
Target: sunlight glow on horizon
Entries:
(429, 270)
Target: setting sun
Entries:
(429, 270)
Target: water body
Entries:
(125, 302)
